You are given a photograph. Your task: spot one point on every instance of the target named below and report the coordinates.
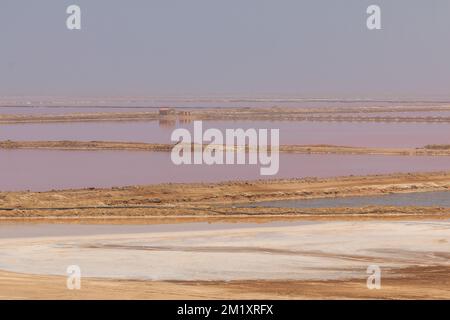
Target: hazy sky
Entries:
(224, 47)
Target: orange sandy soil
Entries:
(409, 283)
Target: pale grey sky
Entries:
(311, 48)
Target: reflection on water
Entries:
(40, 170)
(420, 199)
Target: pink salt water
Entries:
(367, 134)
(40, 170)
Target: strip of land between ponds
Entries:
(429, 150)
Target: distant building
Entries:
(166, 111)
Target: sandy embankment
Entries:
(360, 114)
(86, 145)
(215, 200)
(429, 150)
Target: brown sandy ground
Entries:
(429, 150)
(216, 200)
(202, 214)
(410, 283)
(381, 214)
(86, 145)
(356, 113)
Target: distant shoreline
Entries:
(343, 114)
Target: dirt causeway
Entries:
(429, 150)
(216, 200)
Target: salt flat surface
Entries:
(324, 250)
